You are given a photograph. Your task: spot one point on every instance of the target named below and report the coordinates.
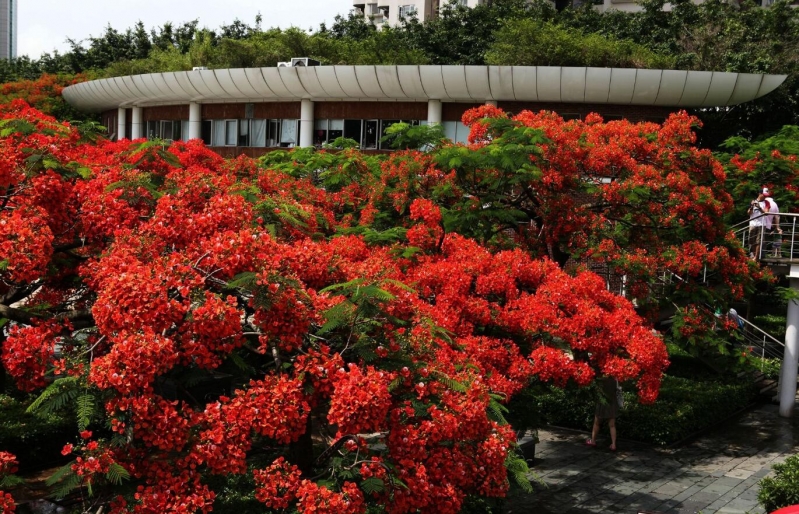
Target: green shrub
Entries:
(535, 43)
(782, 489)
(235, 494)
(769, 367)
(684, 407)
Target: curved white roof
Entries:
(560, 84)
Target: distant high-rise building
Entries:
(393, 12)
(8, 29)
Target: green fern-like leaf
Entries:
(9, 481)
(373, 485)
(241, 363)
(85, 410)
(523, 482)
(69, 483)
(55, 396)
(344, 285)
(497, 412)
(394, 384)
(340, 315)
(367, 353)
(518, 471)
(291, 219)
(58, 475)
(376, 293)
(246, 280)
(453, 385)
(59, 401)
(116, 474)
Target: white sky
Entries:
(44, 25)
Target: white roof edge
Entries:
(93, 96)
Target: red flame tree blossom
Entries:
(134, 272)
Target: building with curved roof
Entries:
(250, 110)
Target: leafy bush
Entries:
(769, 367)
(234, 494)
(684, 406)
(782, 489)
(33, 438)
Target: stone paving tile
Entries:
(717, 473)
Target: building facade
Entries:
(8, 29)
(251, 111)
(393, 12)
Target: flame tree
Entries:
(207, 316)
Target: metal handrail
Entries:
(763, 332)
(787, 225)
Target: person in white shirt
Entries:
(772, 221)
(757, 221)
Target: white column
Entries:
(121, 123)
(306, 123)
(195, 121)
(136, 125)
(434, 112)
(790, 360)
(493, 103)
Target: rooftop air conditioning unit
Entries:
(284, 64)
(199, 68)
(304, 61)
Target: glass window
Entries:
(335, 130)
(450, 130)
(273, 133)
(218, 136)
(244, 133)
(320, 132)
(370, 135)
(184, 130)
(406, 10)
(258, 133)
(352, 130)
(206, 131)
(461, 132)
(456, 131)
(231, 132)
(288, 133)
(166, 130)
(152, 130)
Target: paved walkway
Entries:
(717, 473)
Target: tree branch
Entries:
(79, 319)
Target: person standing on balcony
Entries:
(772, 223)
(757, 221)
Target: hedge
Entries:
(684, 407)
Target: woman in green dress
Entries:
(607, 408)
